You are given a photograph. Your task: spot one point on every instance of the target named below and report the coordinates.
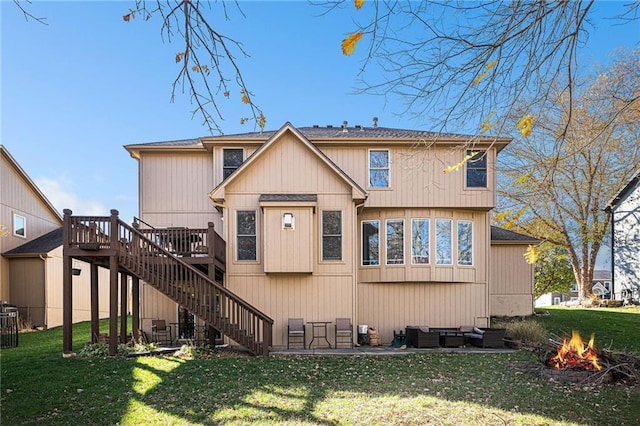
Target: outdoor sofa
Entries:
(486, 337)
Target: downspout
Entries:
(356, 267)
(613, 243)
(46, 299)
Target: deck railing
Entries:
(151, 255)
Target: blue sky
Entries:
(78, 89)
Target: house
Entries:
(31, 261)
(357, 222)
(624, 208)
(601, 285)
(237, 234)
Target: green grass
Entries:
(38, 386)
(614, 328)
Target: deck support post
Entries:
(95, 307)
(113, 285)
(67, 300)
(123, 307)
(135, 307)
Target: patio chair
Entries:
(344, 331)
(160, 332)
(295, 332)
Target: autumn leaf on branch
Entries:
(531, 255)
(349, 43)
(460, 164)
(358, 3)
(525, 125)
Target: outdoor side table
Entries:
(319, 330)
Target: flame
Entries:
(574, 354)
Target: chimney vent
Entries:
(344, 127)
(375, 122)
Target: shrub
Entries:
(527, 332)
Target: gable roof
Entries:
(624, 192)
(39, 246)
(358, 193)
(30, 183)
(504, 236)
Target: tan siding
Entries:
(81, 290)
(288, 250)
(417, 178)
(175, 183)
(27, 280)
(317, 298)
(17, 195)
(511, 285)
(393, 306)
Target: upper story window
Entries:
(331, 235)
(19, 226)
(246, 236)
(420, 241)
(370, 242)
(395, 241)
(465, 243)
(379, 168)
(477, 170)
(231, 160)
(443, 242)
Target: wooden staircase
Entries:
(140, 256)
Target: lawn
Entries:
(39, 386)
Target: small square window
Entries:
(19, 226)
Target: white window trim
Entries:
(428, 220)
(369, 169)
(362, 223)
(386, 247)
(472, 244)
(24, 220)
(450, 241)
(341, 235)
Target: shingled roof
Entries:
(506, 236)
(41, 245)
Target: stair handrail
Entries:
(223, 289)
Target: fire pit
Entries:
(573, 361)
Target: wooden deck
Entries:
(184, 264)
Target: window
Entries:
(246, 235)
(370, 242)
(465, 243)
(231, 160)
(379, 168)
(331, 235)
(19, 226)
(477, 170)
(420, 241)
(395, 241)
(443, 242)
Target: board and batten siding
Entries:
(511, 282)
(18, 195)
(393, 306)
(311, 297)
(417, 177)
(174, 188)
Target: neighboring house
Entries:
(601, 286)
(326, 222)
(625, 224)
(31, 261)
